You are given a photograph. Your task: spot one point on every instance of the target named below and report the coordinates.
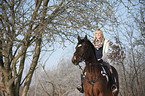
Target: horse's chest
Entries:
(99, 84)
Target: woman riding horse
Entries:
(93, 82)
(101, 46)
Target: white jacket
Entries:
(105, 50)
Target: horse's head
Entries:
(81, 52)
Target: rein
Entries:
(91, 82)
(88, 80)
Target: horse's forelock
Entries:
(88, 42)
(81, 41)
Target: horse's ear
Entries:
(79, 38)
(85, 38)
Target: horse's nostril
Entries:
(74, 60)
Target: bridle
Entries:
(82, 57)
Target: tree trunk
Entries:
(2, 88)
(21, 68)
(32, 68)
(10, 91)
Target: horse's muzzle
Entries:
(74, 60)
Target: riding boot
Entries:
(80, 88)
(113, 84)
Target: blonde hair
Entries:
(98, 30)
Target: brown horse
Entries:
(94, 83)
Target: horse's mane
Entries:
(92, 47)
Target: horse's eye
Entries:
(79, 45)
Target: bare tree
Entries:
(130, 41)
(28, 26)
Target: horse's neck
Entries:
(91, 58)
(92, 65)
(93, 68)
(93, 71)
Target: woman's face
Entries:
(98, 34)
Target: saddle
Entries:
(106, 72)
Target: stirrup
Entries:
(114, 88)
